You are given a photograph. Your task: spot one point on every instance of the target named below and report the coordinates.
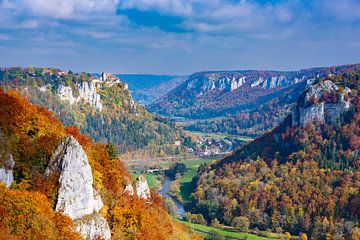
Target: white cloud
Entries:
(66, 9)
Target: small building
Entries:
(215, 150)
(190, 150)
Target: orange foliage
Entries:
(133, 217)
(24, 214)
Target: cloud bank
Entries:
(179, 36)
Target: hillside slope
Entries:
(64, 184)
(239, 101)
(303, 176)
(101, 107)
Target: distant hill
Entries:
(100, 106)
(146, 88)
(303, 177)
(238, 102)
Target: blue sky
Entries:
(179, 36)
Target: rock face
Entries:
(93, 226)
(6, 171)
(213, 82)
(65, 93)
(129, 189)
(322, 102)
(87, 93)
(230, 81)
(76, 196)
(142, 188)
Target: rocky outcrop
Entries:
(142, 188)
(321, 102)
(76, 196)
(93, 227)
(87, 93)
(6, 171)
(212, 82)
(277, 81)
(230, 81)
(65, 93)
(129, 189)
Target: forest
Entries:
(128, 128)
(292, 179)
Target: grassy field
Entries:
(224, 233)
(185, 181)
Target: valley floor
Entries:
(224, 232)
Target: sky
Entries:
(179, 36)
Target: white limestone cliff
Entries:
(6, 171)
(142, 188)
(276, 81)
(93, 227)
(76, 196)
(313, 107)
(229, 82)
(129, 189)
(65, 93)
(87, 93)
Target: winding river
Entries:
(165, 193)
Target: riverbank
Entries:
(163, 183)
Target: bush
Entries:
(177, 168)
(242, 223)
(195, 218)
(215, 223)
(303, 237)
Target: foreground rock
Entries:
(76, 196)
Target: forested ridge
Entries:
(218, 104)
(294, 179)
(126, 124)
